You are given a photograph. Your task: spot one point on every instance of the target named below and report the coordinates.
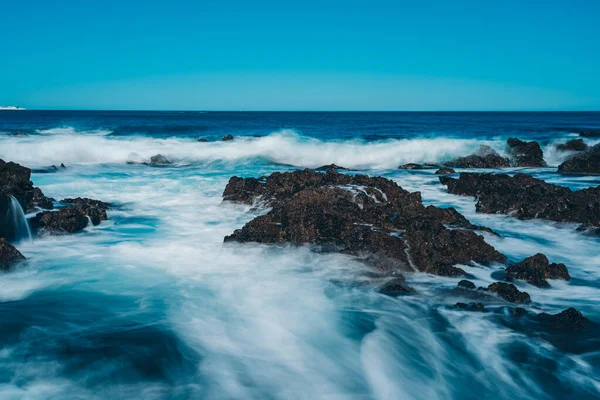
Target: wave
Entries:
(69, 130)
(283, 147)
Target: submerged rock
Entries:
(573, 145)
(568, 320)
(444, 171)
(470, 307)
(9, 255)
(583, 163)
(525, 154)
(536, 269)
(485, 157)
(527, 197)
(227, 138)
(509, 292)
(202, 140)
(359, 215)
(466, 284)
(396, 287)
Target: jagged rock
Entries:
(568, 320)
(573, 145)
(396, 287)
(159, 159)
(525, 154)
(95, 209)
(40, 200)
(466, 284)
(444, 171)
(9, 255)
(331, 166)
(227, 138)
(485, 157)
(509, 292)
(583, 163)
(470, 307)
(359, 215)
(527, 197)
(66, 220)
(536, 269)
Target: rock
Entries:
(227, 138)
(14, 181)
(527, 197)
(66, 220)
(466, 284)
(485, 157)
(331, 166)
(572, 145)
(159, 159)
(525, 154)
(412, 166)
(536, 269)
(444, 171)
(202, 140)
(396, 287)
(360, 215)
(568, 320)
(509, 292)
(470, 307)
(40, 200)
(9, 255)
(95, 209)
(583, 163)
(518, 312)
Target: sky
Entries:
(300, 55)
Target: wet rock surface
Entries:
(66, 220)
(525, 154)
(509, 292)
(536, 270)
(159, 159)
(568, 320)
(526, 197)
(95, 209)
(331, 166)
(485, 157)
(360, 215)
(9, 255)
(14, 181)
(444, 171)
(587, 163)
(573, 145)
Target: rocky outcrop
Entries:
(227, 138)
(485, 157)
(331, 166)
(65, 220)
(569, 320)
(572, 145)
(414, 166)
(41, 201)
(526, 197)
(587, 163)
(360, 215)
(509, 292)
(159, 159)
(396, 287)
(14, 181)
(9, 255)
(465, 285)
(94, 209)
(536, 269)
(525, 154)
(444, 171)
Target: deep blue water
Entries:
(151, 304)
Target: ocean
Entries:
(152, 304)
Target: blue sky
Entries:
(308, 55)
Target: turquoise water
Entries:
(151, 303)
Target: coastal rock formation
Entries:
(525, 154)
(227, 138)
(8, 255)
(331, 166)
(95, 209)
(485, 157)
(42, 201)
(527, 197)
(572, 145)
(444, 171)
(72, 218)
(396, 287)
(568, 320)
(159, 159)
(415, 166)
(536, 269)
(509, 292)
(360, 215)
(583, 163)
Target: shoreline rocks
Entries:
(485, 157)
(509, 292)
(572, 145)
(536, 269)
(444, 171)
(9, 255)
(585, 163)
(526, 197)
(525, 154)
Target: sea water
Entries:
(151, 304)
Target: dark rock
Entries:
(396, 287)
(590, 133)
(9, 255)
(485, 157)
(444, 171)
(14, 181)
(509, 292)
(583, 163)
(227, 138)
(95, 209)
(359, 215)
(525, 154)
(40, 200)
(46, 170)
(536, 269)
(568, 320)
(331, 166)
(412, 166)
(527, 198)
(159, 159)
(470, 307)
(66, 220)
(573, 145)
(62, 166)
(202, 140)
(465, 284)
(518, 312)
